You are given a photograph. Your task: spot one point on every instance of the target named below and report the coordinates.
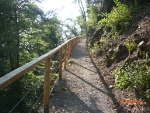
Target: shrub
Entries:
(92, 16)
(93, 50)
(134, 76)
(131, 45)
(119, 13)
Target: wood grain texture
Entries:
(46, 85)
(60, 64)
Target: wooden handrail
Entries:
(11, 77)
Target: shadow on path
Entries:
(83, 89)
(84, 67)
(88, 83)
(117, 105)
(67, 101)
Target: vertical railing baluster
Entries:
(46, 85)
(65, 58)
(67, 50)
(60, 64)
(70, 47)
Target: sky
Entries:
(66, 8)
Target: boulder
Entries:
(96, 36)
(121, 51)
(89, 35)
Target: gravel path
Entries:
(81, 89)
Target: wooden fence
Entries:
(11, 77)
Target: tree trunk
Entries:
(18, 40)
(83, 12)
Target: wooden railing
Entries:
(11, 77)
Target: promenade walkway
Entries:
(81, 90)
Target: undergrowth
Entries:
(121, 15)
(134, 76)
(93, 50)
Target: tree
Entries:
(71, 28)
(83, 12)
(25, 33)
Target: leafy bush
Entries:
(93, 50)
(134, 76)
(119, 13)
(92, 16)
(131, 45)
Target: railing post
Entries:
(75, 40)
(65, 60)
(46, 85)
(70, 48)
(72, 45)
(60, 64)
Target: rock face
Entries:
(122, 51)
(89, 35)
(94, 35)
(142, 35)
(136, 45)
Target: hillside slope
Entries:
(127, 55)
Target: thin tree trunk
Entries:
(2, 21)
(82, 11)
(8, 43)
(18, 40)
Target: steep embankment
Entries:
(125, 62)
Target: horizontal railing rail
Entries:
(11, 77)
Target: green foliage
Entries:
(64, 88)
(119, 16)
(131, 45)
(93, 50)
(70, 61)
(81, 22)
(25, 34)
(71, 28)
(29, 83)
(119, 13)
(134, 76)
(92, 16)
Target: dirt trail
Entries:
(81, 90)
